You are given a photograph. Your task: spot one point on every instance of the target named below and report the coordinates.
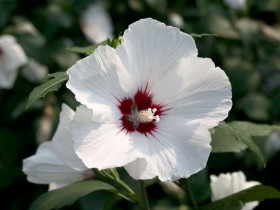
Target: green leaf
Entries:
(202, 35)
(228, 205)
(254, 129)
(230, 139)
(99, 200)
(86, 50)
(223, 140)
(69, 194)
(114, 42)
(256, 193)
(53, 84)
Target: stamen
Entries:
(147, 115)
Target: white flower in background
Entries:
(55, 162)
(230, 183)
(272, 145)
(150, 103)
(34, 71)
(12, 57)
(45, 124)
(25, 26)
(176, 19)
(96, 23)
(235, 4)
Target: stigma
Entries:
(147, 115)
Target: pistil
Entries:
(148, 115)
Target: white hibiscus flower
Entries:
(12, 57)
(230, 183)
(55, 162)
(96, 23)
(150, 103)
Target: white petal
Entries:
(95, 83)
(62, 140)
(96, 23)
(150, 48)
(250, 205)
(46, 166)
(221, 186)
(7, 79)
(11, 58)
(230, 183)
(104, 145)
(54, 186)
(177, 150)
(196, 90)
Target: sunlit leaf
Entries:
(53, 84)
(230, 139)
(256, 193)
(254, 129)
(223, 140)
(69, 194)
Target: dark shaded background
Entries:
(247, 48)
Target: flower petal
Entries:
(7, 79)
(221, 186)
(54, 186)
(104, 145)
(230, 183)
(46, 166)
(95, 83)
(150, 48)
(177, 150)
(196, 90)
(62, 140)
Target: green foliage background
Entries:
(247, 47)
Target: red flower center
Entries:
(140, 113)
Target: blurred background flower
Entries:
(226, 184)
(12, 57)
(246, 47)
(96, 23)
(235, 4)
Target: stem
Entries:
(145, 201)
(190, 195)
(125, 186)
